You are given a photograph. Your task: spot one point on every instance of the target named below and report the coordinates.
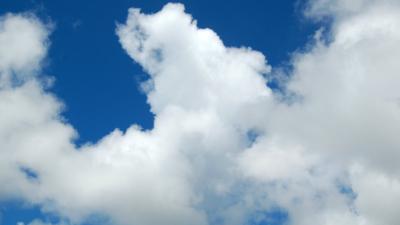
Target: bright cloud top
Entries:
(225, 149)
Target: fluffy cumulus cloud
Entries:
(225, 149)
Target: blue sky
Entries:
(92, 72)
(98, 82)
(292, 119)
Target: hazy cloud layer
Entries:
(225, 149)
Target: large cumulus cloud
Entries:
(225, 149)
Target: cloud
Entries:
(224, 149)
(40, 222)
(23, 42)
(349, 112)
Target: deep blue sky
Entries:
(98, 82)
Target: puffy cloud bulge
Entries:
(225, 149)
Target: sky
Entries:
(91, 71)
(199, 112)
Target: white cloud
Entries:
(40, 222)
(23, 43)
(350, 111)
(329, 157)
